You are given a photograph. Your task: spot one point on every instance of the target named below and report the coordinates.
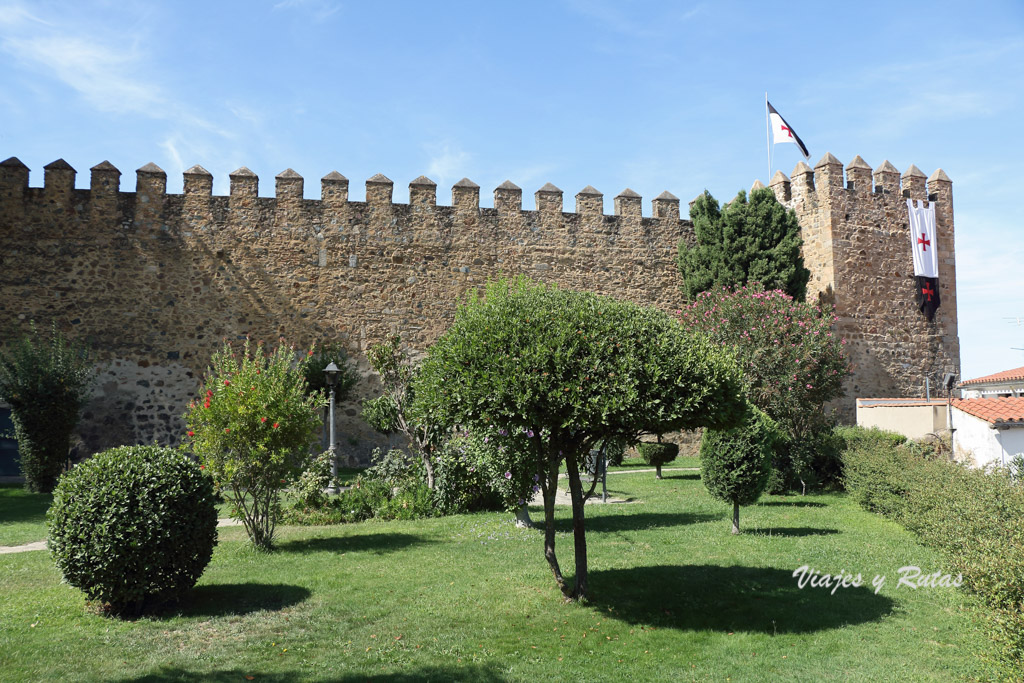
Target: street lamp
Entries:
(331, 371)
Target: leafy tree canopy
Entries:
(565, 370)
(744, 241)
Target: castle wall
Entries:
(155, 282)
(857, 241)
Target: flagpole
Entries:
(768, 135)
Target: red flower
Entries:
(275, 425)
(310, 353)
(227, 430)
(209, 393)
(227, 383)
(202, 467)
(207, 403)
(191, 433)
(263, 419)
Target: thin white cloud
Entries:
(447, 163)
(318, 10)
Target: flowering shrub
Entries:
(792, 362)
(251, 428)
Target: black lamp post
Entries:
(331, 371)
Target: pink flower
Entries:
(508, 475)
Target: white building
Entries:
(988, 431)
(1007, 383)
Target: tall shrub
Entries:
(390, 412)
(46, 379)
(735, 463)
(792, 363)
(252, 428)
(561, 371)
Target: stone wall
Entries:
(155, 282)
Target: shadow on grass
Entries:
(18, 505)
(693, 476)
(636, 522)
(730, 599)
(235, 599)
(793, 503)
(790, 532)
(363, 543)
(165, 674)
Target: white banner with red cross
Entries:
(922, 238)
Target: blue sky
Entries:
(646, 95)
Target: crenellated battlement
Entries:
(151, 197)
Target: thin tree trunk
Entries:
(735, 517)
(579, 593)
(657, 471)
(549, 487)
(523, 520)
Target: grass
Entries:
(469, 598)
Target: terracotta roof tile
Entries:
(1004, 376)
(993, 410)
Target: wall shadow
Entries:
(17, 505)
(793, 503)
(789, 532)
(730, 599)
(463, 673)
(363, 543)
(636, 522)
(235, 599)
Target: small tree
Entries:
(755, 241)
(657, 454)
(792, 364)
(252, 428)
(735, 463)
(390, 412)
(561, 371)
(46, 380)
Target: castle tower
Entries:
(857, 246)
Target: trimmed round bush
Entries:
(657, 454)
(133, 527)
(735, 463)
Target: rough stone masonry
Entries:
(155, 282)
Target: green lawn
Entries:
(675, 597)
(22, 515)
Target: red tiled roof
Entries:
(994, 410)
(1004, 376)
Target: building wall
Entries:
(155, 282)
(913, 422)
(976, 439)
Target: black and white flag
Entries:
(783, 132)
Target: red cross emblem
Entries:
(927, 290)
(788, 132)
(923, 242)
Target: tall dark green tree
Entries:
(46, 379)
(744, 241)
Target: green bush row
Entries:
(974, 518)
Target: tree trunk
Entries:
(657, 471)
(549, 487)
(579, 592)
(523, 520)
(735, 517)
